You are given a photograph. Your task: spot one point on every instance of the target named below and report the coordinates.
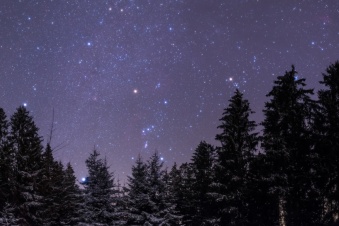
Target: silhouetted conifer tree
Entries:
(286, 140)
(138, 197)
(51, 188)
(238, 143)
(6, 161)
(28, 164)
(72, 202)
(99, 191)
(174, 183)
(159, 214)
(184, 195)
(327, 143)
(202, 165)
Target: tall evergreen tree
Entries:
(261, 208)
(184, 196)
(138, 197)
(52, 189)
(202, 166)
(173, 183)
(286, 140)
(72, 201)
(238, 143)
(156, 191)
(28, 163)
(6, 161)
(171, 215)
(327, 146)
(63, 203)
(99, 191)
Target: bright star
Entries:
(135, 91)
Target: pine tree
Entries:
(72, 202)
(99, 191)
(156, 185)
(286, 140)
(202, 166)
(51, 188)
(156, 191)
(238, 143)
(184, 196)
(28, 163)
(261, 208)
(138, 197)
(121, 206)
(173, 188)
(327, 146)
(169, 212)
(173, 183)
(6, 161)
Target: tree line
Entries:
(286, 175)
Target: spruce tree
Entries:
(6, 161)
(174, 182)
(202, 166)
(171, 215)
(51, 188)
(99, 191)
(327, 142)
(156, 192)
(286, 140)
(261, 208)
(54, 186)
(72, 201)
(28, 163)
(184, 204)
(238, 143)
(121, 205)
(7, 211)
(138, 196)
(173, 188)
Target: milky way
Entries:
(135, 76)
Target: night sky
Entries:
(135, 76)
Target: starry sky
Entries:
(135, 76)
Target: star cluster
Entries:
(131, 77)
